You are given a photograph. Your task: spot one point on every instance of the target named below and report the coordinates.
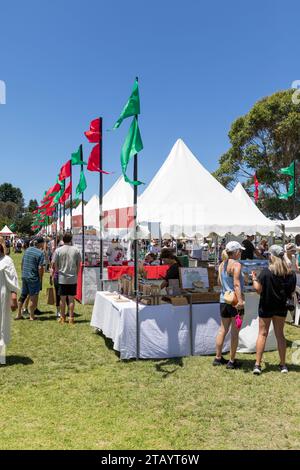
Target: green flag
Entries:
(132, 107)
(132, 145)
(76, 158)
(81, 187)
(289, 170)
(61, 192)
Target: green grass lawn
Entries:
(65, 388)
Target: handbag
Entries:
(230, 296)
(50, 296)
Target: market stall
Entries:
(165, 329)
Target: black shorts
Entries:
(228, 311)
(67, 289)
(271, 315)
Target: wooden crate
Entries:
(202, 297)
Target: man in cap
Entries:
(33, 264)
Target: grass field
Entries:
(65, 388)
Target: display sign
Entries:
(118, 218)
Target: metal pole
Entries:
(82, 213)
(294, 199)
(101, 204)
(135, 248)
(71, 199)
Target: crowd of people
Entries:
(275, 285)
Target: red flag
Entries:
(49, 211)
(256, 184)
(55, 189)
(48, 203)
(66, 194)
(65, 171)
(94, 160)
(93, 135)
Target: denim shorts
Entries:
(30, 287)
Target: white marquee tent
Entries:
(120, 195)
(253, 212)
(6, 232)
(186, 199)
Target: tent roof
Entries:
(187, 199)
(118, 196)
(6, 231)
(252, 210)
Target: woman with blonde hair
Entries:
(231, 279)
(275, 285)
(8, 297)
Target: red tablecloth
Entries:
(153, 272)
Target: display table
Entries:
(153, 272)
(165, 331)
(88, 281)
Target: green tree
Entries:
(8, 193)
(23, 223)
(33, 205)
(265, 140)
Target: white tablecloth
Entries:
(165, 331)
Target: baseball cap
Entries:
(233, 246)
(276, 250)
(40, 240)
(291, 247)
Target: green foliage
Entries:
(23, 223)
(8, 209)
(9, 193)
(33, 205)
(264, 141)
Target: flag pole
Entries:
(294, 195)
(82, 212)
(135, 249)
(101, 203)
(59, 218)
(64, 214)
(71, 199)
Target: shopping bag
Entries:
(50, 296)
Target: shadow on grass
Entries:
(15, 360)
(108, 342)
(162, 366)
(275, 367)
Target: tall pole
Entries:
(71, 199)
(135, 249)
(101, 203)
(294, 199)
(64, 217)
(59, 218)
(82, 212)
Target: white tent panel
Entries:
(185, 198)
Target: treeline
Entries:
(13, 211)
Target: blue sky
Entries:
(201, 64)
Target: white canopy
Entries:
(120, 195)
(253, 212)
(6, 231)
(292, 227)
(187, 199)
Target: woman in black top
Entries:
(275, 285)
(169, 258)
